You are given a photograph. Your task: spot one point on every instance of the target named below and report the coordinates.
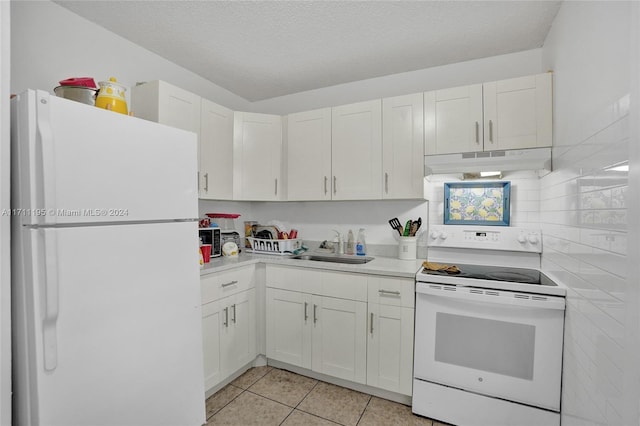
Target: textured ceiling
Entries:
(264, 49)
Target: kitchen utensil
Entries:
(419, 223)
(111, 96)
(81, 94)
(407, 229)
(413, 229)
(395, 224)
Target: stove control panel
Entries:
(486, 237)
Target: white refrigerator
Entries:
(105, 284)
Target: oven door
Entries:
(497, 343)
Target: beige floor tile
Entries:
(283, 386)
(221, 398)
(249, 409)
(335, 403)
(300, 418)
(251, 376)
(381, 412)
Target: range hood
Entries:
(538, 159)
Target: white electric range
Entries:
(488, 339)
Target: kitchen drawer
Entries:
(392, 291)
(294, 279)
(227, 283)
(344, 285)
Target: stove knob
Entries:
(434, 235)
(522, 239)
(533, 239)
(443, 236)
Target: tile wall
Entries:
(584, 205)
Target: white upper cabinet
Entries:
(216, 151)
(257, 152)
(356, 157)
(517, 113)
(309, 155)
(506, 114)
(403, 147)
(164, 103)
(453, 120)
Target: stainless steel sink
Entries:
(354, 260)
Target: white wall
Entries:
(460, 74)
(584, 207)
(5, 259)
(50, 43)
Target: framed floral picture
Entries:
(477, 203)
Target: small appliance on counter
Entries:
(212, 235)
(230, 237)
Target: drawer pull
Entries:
(229, 283)
(389, 292)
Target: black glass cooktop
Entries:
(497, 273)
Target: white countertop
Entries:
(388, 266)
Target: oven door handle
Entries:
(495, 297)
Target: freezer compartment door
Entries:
(74, 163)
(117, 326)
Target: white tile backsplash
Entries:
(583, 206)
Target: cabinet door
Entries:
(390, 348)
(309, 155)
(339, 338)
(216, 151)
(289, 325)
(356, 151)
(179, 108)
(257, 151)
(517, 113)
(237, 331)
(211, 344)
(403, 147)
(453, 120)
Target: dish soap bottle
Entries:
(350, 243)
(361, 245)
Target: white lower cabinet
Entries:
(237, 331)
(339, 338)
(289, 327)
(211, 344)
(390, 334)
(228, 323)
(337, 332)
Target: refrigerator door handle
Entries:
(50, 338)
(46, 141)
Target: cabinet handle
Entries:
(226, 317)
(371, 324)
(233, 319)
(383, 292)
(276, 186)
(325, 185)
(315, 316)
(306, 315)
(386, 183)
(229, 283)
(477, 133)
(490, 131)
(334, 185)
(206, 182)
(198, 180)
